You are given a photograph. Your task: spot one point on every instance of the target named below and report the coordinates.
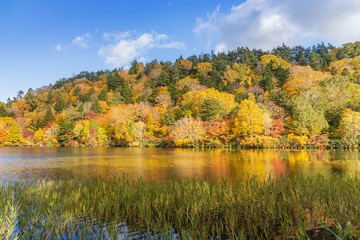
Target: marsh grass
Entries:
(120, 208)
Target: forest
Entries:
(289, 97)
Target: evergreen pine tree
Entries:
(211, 110)
(133, 67)
(113, 80)
(59, 104)
(282, 75)
(76, 91)
(65, 129)
(153, 95)
(102, 95)
(173, 92)
(267, 82)
(169, 117)
(126, 93)
(229, 87)
(302, 60)
(49, 117)
(95, 106)
(81, 110)
(3, 111)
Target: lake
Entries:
(162, 164)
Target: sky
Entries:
(42, 41)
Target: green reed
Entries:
(246, 208)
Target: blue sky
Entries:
(42, 41)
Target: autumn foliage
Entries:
(244, 98)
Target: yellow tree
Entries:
(274, 60)
(163, 98)
(248, 121)
(350, 124)
(302, 78)
(10, 132)
(352, 65)
(203, 69)
(188, 81)
(194, 100)
(188, 132)
(186, 64)
(39, 136)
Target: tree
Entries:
(203, 69)
(267, 82)
(211, 110)
(282, 74)
(169, 117)
(350, 124)
(274, 61)
(133, 67)
(248, 121)
(30, 99)
(49, 117)
(306, 119)
(102, 95)
(195, 99)
(39, 136)
(3, 111)
(188, 132)
(65, 131)
(315, 61)
(126, 93)
(59, 104)
(114, 81)
(95, 106)
(301, 79)
(10, 132)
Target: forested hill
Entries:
(288, 97)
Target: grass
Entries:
(248, 208)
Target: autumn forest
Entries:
(289, 97)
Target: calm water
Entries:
(79, 163)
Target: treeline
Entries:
(288, 97)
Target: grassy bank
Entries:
(247, 208)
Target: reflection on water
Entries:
(155, 163)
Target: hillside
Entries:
(288, 97)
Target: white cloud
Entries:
(127, 46)
(269, 23)
(59, 47)
(82, 41)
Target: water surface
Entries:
(155, 163)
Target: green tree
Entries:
(267, 82)
(102, 95)
(114, 81)
(302, 60)
(126, 93)
(315, 61)
(95, 106)
(49, 117)
(65, 131)
(59, 104)
(76, 91)
(306, 119)
(211, 110)
(30, 99)
(173, 92)
(133, 67)
(169, 117)
(3, 111)
(282, 75)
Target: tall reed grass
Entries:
(120, 208)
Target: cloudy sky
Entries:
(42, 41)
